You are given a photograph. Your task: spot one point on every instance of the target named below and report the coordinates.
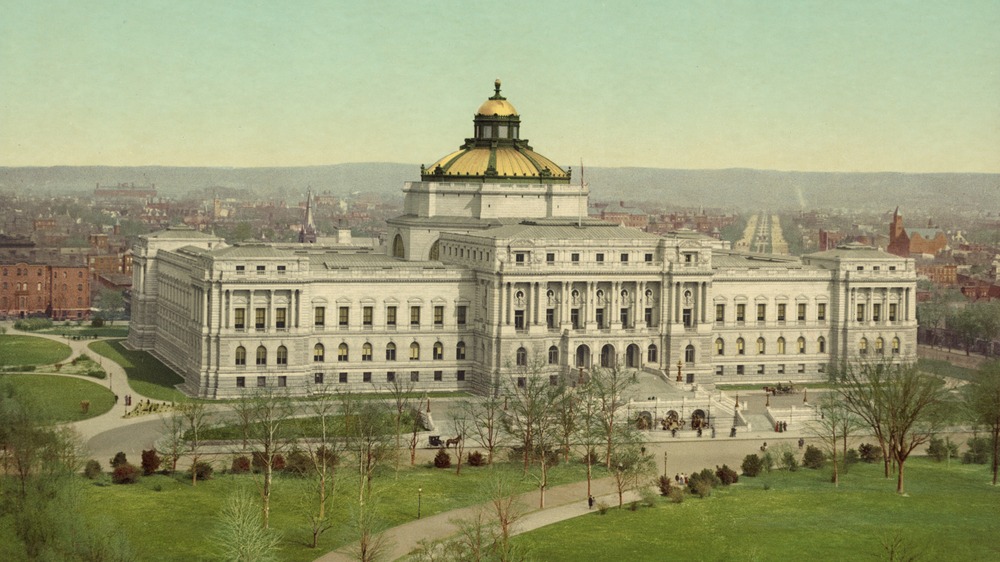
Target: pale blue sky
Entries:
(789, 85)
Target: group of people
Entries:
(780, 427)
(681, 478)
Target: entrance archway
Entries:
(583, 356)
(608, 356)
(632, 356)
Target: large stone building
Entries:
(56, 288)
(494, 268)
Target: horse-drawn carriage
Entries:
(780, 389)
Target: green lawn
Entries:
(948, 515)
(30, 350)
(145, 373)
(943, 368)
(61, 396)
(176, 522)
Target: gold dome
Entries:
(509, 162)
(502, 108)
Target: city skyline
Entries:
(786, 86)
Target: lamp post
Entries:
(420, 492)
(664, 464)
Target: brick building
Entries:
(31, 289)
(906, 242)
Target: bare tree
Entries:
(401, 403)
(486, 412)
(630, 463)
(500, 489)
(323, 458)
(268, 411)
(530, 420)
(982, 398)
(173, 438)
(195, 418)
(589, 429)
(609, 386)
(834, 426)
(899, 403)
(241, 535)
(461, 429)
(365, 437)
(368, 527)
(566, 419)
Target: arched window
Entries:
(802, 344)
(460, 350)
(366, 352)
(689, 354)
(895, 346)
(390, 352)
(651, 354)
(553, 355)
(438, 351)
(522, 357)
(740, 346)
(863, 346)
(241, 355)
(781, 346)
(761, 346)
(282, 356)
(342, 352)
(720, 346)
(319, 353)
(262, 355)
(435, 253)
(821, 344)
(397, 247)
(879, 346)
(414, 351)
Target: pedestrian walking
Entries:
(590, 502)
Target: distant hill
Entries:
(732, 188)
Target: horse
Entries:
(449, 442)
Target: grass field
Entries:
(61, 396)
(948, 515)
(176, 521)
(30, 350)
(145, 374)
(943, 368)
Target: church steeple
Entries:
(307, 234)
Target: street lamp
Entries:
(420, 492)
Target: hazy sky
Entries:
(789, 85)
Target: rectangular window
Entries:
(367, 313)
(550, 318)
(438, 376)
(319, 316)
(438, 316)
(741, 312)
(574, 318)
(414, 316)
(720, 313)
(261, 269)
(414, 376)
(760, 369)
(801, 311)
(241, 382)
(781, 312)
(261, 381)
(343, 316)
(861, 313)
(686, 317)
(624, 258)
(519, 258)
(781, 369)
(802, 367)
(892, 312)
(739, 369)
(519, 319)
(260, 314)
(876, 312)
(342, 377)
(366, 376)
(241, 269)
(649, 258)
(280, 317)
(648, 316)
(575, 258)
(624, 318)
(282, 381)
(821, 312)
(461, 313)
(281, 270)
(318, 378)
(720, 370)
(390, 376)
(599, 313)
(390, 316)
(550, 258)
(460, 375)
(761, 312)
(600, 257)
(240, 318)
(892, 268)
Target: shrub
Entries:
(813, 457)
(767, 461)
(260, 461)
(869, 452)
(150, 462)
(978, 452)
(298, 463)
(202, 470)
(33, 324)
(647, 496)
(125, 473)
(241, 465)
(726, 475)
(752, 465)
(701, 483)
(118, 460)
(852, 457)
(664, 483)
(97, 322)
(602, 507)
(442, 459)
(92, 469)
(788, 461)
(676, 495)
(941, 449)
(633, 506)
(476, 459)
